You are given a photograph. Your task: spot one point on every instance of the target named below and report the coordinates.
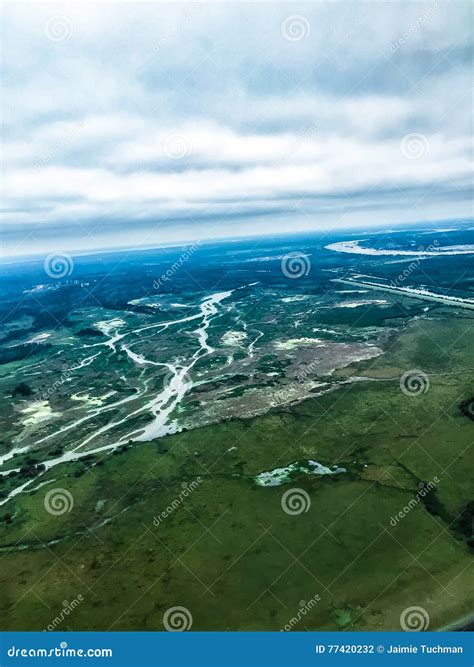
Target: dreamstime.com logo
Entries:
(295, 28)
(295, 501)
(65, 375)
(414, 28)
(177, 619)
(182, 259)
(58, 265)
(167, 38)
(58, 28)
(68, 607)
(414, 383)
(305, 607)
(302, 374)
(414, 619)
(174, 380)
(48, 156)
(188, 489)
(423, 491)
(58, 501)
(61, 651)
(302, 136)
(295, 265)
(414, 146)
(177, 146)
(406, 273)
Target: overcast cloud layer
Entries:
(152, 123)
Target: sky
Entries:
(146, 124)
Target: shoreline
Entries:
(353, 248)
(422, 295)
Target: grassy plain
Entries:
(228, 552)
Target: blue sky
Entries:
(130, 124)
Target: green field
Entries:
(228, 552)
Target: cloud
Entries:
(192, 114)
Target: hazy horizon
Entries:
(186, 243)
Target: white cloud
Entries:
(270, 125)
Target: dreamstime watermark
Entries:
(58, 501)
(423, 491)
(303, 134)
(58, 28)
(406, 273)
(178, 264)
(283, 394)
(303, 372)
(68, 607)
(295, 501)
(187, 490)
(414, 27)
(177, 619)
(414, 383)
(414, 146)
(61, 651)
(53, 388)
(68, 136)
(58, 265)
(305, 607)
(187, 14)
(295, 28)
(414, 619)
(173, 381)
(177, 146)
(295, 265)
(467, 408)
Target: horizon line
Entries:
(84, 252)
